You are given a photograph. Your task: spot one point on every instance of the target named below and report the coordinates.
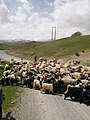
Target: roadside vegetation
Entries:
(10, 93)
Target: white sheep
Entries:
(36, 84)
(47, 87)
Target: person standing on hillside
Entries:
(35, 58)
(1, 101)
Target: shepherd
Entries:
(35, 58)
(1, 101)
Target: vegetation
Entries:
(76, 34)
(9, 92)
(58, 49)
(1, 70)
(87, 63)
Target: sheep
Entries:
(7, 67)
(2, 61)
(68, 80)
(84, 82)
(12, 79)
(1, 67)
(36, 84)
(47, 87)
(75, 93)
(76, 74)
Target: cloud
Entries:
(3, 13)
(26, 5)
(33, 20)
(71, 16)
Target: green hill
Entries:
(58, 49)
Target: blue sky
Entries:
(34, 19)
(37, 5)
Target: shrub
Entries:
(76, 34)
(77, 54)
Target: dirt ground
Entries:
(34, 105)
(84, 58)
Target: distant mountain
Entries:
(14, 41)
(2, 41)
(22, 41)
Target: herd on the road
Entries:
(50, 76)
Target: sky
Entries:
(34, 19)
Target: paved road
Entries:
(36, 106)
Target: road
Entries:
(6, 56)
(33, 105)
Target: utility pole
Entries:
(53, 35)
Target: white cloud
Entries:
(68, 16)
(26, 5)
(19, 17)
(71, 16)
(3, 12)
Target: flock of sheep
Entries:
(52, 76)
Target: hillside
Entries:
(60, 48)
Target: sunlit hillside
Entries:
(58, 48)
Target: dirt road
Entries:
(36, 106)
(6, 56)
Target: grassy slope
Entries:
(57, 49)
(9, 92)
